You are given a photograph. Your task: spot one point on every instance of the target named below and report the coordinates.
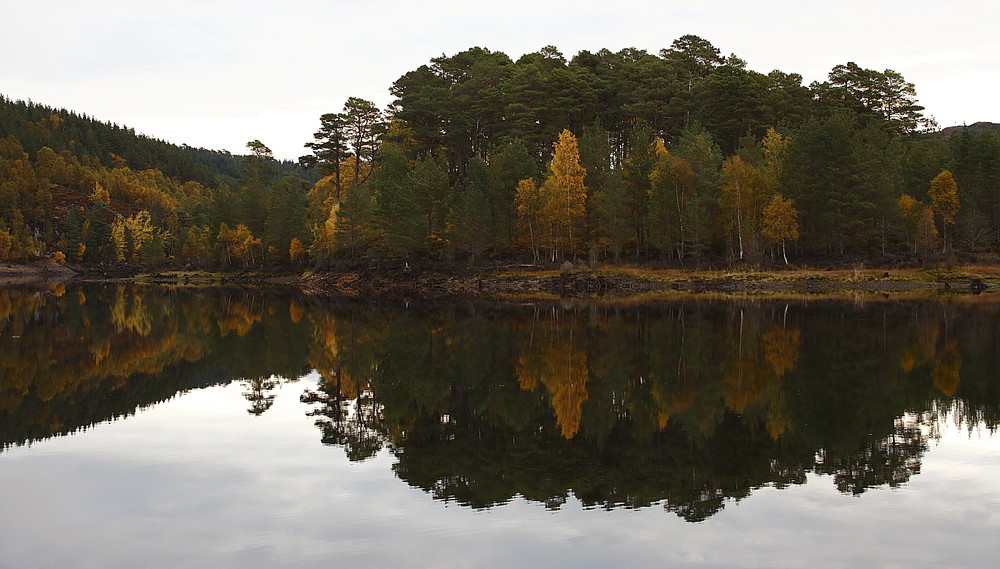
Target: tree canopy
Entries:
(685, 155)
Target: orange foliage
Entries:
(296, 311)
(947, 371)
(240, 317)
(562, 367)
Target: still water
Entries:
(146, 427)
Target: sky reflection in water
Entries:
(198, 482)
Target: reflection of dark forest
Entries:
(73, 357)
(682, 403)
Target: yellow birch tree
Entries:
(944, 201)
(780, 222)
(918, 220)
(775, 147)
(741, 200)
(563, 196)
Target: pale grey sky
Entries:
(218, 73)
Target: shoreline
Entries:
(13, 275)
(522, 282)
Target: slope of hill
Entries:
(35, 126)
(974, 128)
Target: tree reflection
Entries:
(682, 404)
(259, 392)
(552, 353)
(353, 423)
(73, 357)
(881, 462)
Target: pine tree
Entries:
(397, 218)
(350, 223)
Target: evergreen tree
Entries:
(353, 222)
(637, 168)
(698, 209)
(428, 182)
(469, 220)
(396, 218)
(286, 206)
(330, 148)
(508, 165)
(825, 178)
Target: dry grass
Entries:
(526, 273)
(850, 275)
(858, 284)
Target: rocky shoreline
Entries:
(432, 284)
(405, 282)
(34, 274)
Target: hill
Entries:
(974, 128)
(36, 126)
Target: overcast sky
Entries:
(219, 73)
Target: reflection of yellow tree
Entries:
(324, 351)
(239, 316)
(527, 371)
(332, 342)
(753, 375)
(6, 308)
(668, 405)
(561, 366)
(929, 332)
(947, 369)
(781, 349)
(152, 356)
(350, 413)
(566, 381)
(140, 337)
(777, 421)
(926, 349)
(129, 313)
(745, 381)
(908, 360)
(296, 311)
(22, 355)
(922, 347)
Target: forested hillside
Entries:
(684, 156)
(75, 189)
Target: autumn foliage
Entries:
(683, 156)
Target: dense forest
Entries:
(684, 156)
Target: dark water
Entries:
(155, 428)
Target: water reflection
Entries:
(72, 358)
(682, 404)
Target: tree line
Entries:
(684, 156)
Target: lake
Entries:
(156, 427)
